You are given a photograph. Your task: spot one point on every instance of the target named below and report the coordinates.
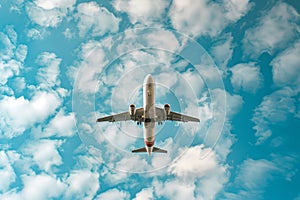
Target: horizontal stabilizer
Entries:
(155, 149)
(158, 150)
(139, 150)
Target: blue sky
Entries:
(234, 64)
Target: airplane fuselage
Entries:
(149, 112)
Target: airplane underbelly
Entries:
(149, 130)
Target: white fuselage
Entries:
(149, 112)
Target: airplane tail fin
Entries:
(155, 149)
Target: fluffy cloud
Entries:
(113, 194)
(86, 74)
(204, 166)
(246, 76)
(21, 52)
(174, 189)
(82, 184)
(44, 153)
(145, 194)
(286, 67)
(201, 160)
(18, 114)
(49, 13)
(206, 18)
(275, 108)
(47, 75)
(222, 51)
(217, 115)
(98, 20)
(61, 125)
(7, 46)
(36, 34)
(8, 70)
(275, 30)
(143, 11)
(41, 186)
(7, 173)
(251, 185)
(12, 55)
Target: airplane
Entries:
(149, 114)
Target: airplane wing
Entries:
(124, 116)
(173, 116)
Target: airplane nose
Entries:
(149, 79)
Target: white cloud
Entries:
(144, 194)
(222, 51)
(16, 6)
(201, 161)
(251, 185)
(62, 125)
(7, 173)
(236, 8)
(286, 67)
(18, 84)
(19, 114)
(49, 13)
(131, 164)
(204, 166)
(262, 169)
(120, 135)
(12, 34)
(44, 153)
(223, 105)
(41, 186)
(274, 30)
(87, 72)
(206, 18)
(68, 33)
(82, 184)
(36, 34)
(143, 11)
(8, 70)
(246, 76)
(162, 38)
(51, 4)
(7, 51)
(12, 55)
(195, 82)
(98, 20)
(113, 194)
(174, 189)
(48, 73)
(274, 108)
(21, 52)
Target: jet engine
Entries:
(132, 109)
(167, 109)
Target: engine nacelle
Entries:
(132, 109)
(167, 108)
